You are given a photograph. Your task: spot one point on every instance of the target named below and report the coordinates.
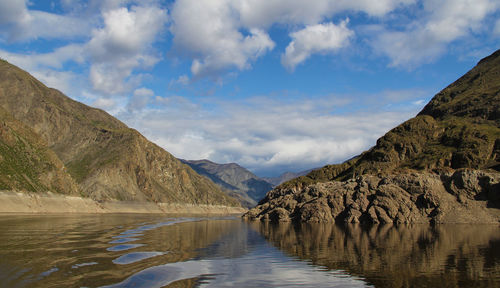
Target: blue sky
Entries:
(273, 85)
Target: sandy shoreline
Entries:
(31, 203)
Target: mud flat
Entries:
(20, 202)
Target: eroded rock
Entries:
(464, 196)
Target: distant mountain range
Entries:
(275, 181)
(51, 143)
(242, 184)
(440, 166)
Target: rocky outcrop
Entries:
(464, 196)
(441, 166)
(95, 155)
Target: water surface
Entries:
(172, 251)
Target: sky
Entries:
(273, 85)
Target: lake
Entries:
(175, 251)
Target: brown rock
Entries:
(394, 200)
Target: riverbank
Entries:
(18, 202)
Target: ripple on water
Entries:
(246, 271)
(76, 266)
(127, 235)
(136, 256)
(123, 240)
(124, 247)
(48, 272)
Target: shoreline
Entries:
(12, 202)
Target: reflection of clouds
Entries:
(124, 247)
(264, 266)
(133, 257)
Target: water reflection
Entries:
(160, 251)
(389, 256)
(89, 250)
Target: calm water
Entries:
(159, 251)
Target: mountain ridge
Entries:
(286, 176)
(242, 184)
(106, 159)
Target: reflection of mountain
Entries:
(389, 256)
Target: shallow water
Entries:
(161, 251)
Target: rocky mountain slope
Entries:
(440, 166)
(26, 163)
(70, 148)
(241, 183)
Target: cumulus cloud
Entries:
(427, 38)
(114, 51)
(13, 11)
(122, 45)
(320, 38)
(223, 35)
(267, 135)
(210, 32)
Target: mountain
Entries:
(440, 166)
(242, 184)
(50, 142)
(26, 163)
(275, 181)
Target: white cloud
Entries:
(65, 81)
(182, 80)
(427, 37)
(264, 134)
(17, 23)
(264, 13)
(496, 29)
(47, 67)
(224, 34)
(140, 99)
(320, 38)
(123, 45)
(104, 103)
(113, 56)
(210, 32)
(419, 102)
(13, 11)
(54, 59)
